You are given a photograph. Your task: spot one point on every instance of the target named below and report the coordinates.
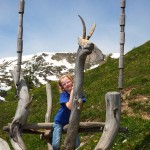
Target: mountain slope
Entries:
(136, 97)
(44, 67)
(99, 81)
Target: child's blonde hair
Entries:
(69, 76)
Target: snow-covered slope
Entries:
(44, 66)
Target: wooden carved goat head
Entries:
(83, 41)
(85, 48)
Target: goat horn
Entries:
(84, 27)
(91, 32)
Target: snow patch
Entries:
(115, 55)
(38, 66)
(2, 98)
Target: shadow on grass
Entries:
(145, 144)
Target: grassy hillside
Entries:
(99, 81)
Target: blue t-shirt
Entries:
(62, 116)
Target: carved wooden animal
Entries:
(85, 48)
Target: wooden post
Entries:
(113, 111)
(84, 127)
(48, 133)
(122, 41)
(20, 41)
(85, 48)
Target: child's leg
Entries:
(77, 143)
(57, 134)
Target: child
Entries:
(62, 116)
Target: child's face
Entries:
(66, 84)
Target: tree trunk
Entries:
(113, 111)
(21, 114)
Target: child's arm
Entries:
(69, 103)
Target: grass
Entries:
(135, 103)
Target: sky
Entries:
(54, 26)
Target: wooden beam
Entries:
(84, 127)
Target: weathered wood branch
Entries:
(21, 114)
(22, 91)
(47, 133)
(85, 48)
(39, 128)
(4, 145)
(20, 41)
(49, 103)
(113, 111)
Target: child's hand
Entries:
(72, 90)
